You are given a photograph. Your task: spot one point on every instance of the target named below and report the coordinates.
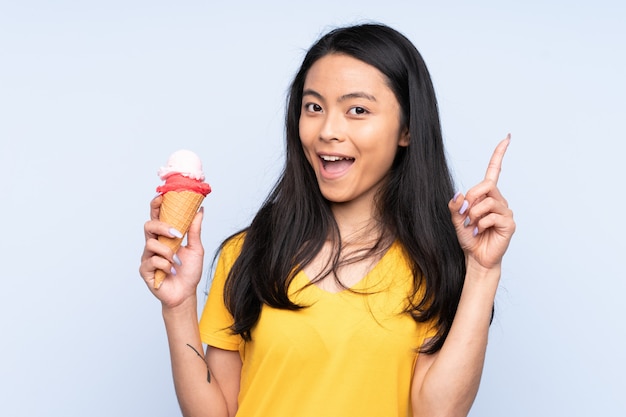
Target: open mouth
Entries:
(336, 164)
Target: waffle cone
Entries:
(178, 210)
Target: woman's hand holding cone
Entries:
(184, 268)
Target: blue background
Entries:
(94, 96)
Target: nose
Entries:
(333, 128)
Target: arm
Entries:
(196, 395)
(226, 368)
(446, 383)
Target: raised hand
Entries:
(184, 268)
(482, 218)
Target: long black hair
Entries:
(295, 220)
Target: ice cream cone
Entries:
(178, 210)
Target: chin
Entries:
(336, 199)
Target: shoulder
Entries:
(231, 247)
(398, 257)
(408, 272)
(227, 254)
(234, 242)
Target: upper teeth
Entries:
(332, 158)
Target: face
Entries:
(349, 127)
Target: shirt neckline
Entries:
(306, 281)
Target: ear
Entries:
(404, 138)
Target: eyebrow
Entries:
(357, 94)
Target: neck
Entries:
(357, 222)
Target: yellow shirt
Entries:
(345, 355)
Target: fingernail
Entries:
(177, 260)
(466, 222)
(173, 271)
(464, 207)
(158, 195)
(175, 233)
(475, 232)
(456, 195)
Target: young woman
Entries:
(365, 285)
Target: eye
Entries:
(313, 107)
(357, 111)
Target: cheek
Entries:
(378, 138)
(305, 141)
(308, 156)
(307, 134)
(305, 127)
(382, 146)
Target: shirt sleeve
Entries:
(216, 320)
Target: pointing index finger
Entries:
(495, 163)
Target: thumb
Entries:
(193, 236)
(458, 209)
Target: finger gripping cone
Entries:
(178, 210)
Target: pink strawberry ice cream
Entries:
(183, 172)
